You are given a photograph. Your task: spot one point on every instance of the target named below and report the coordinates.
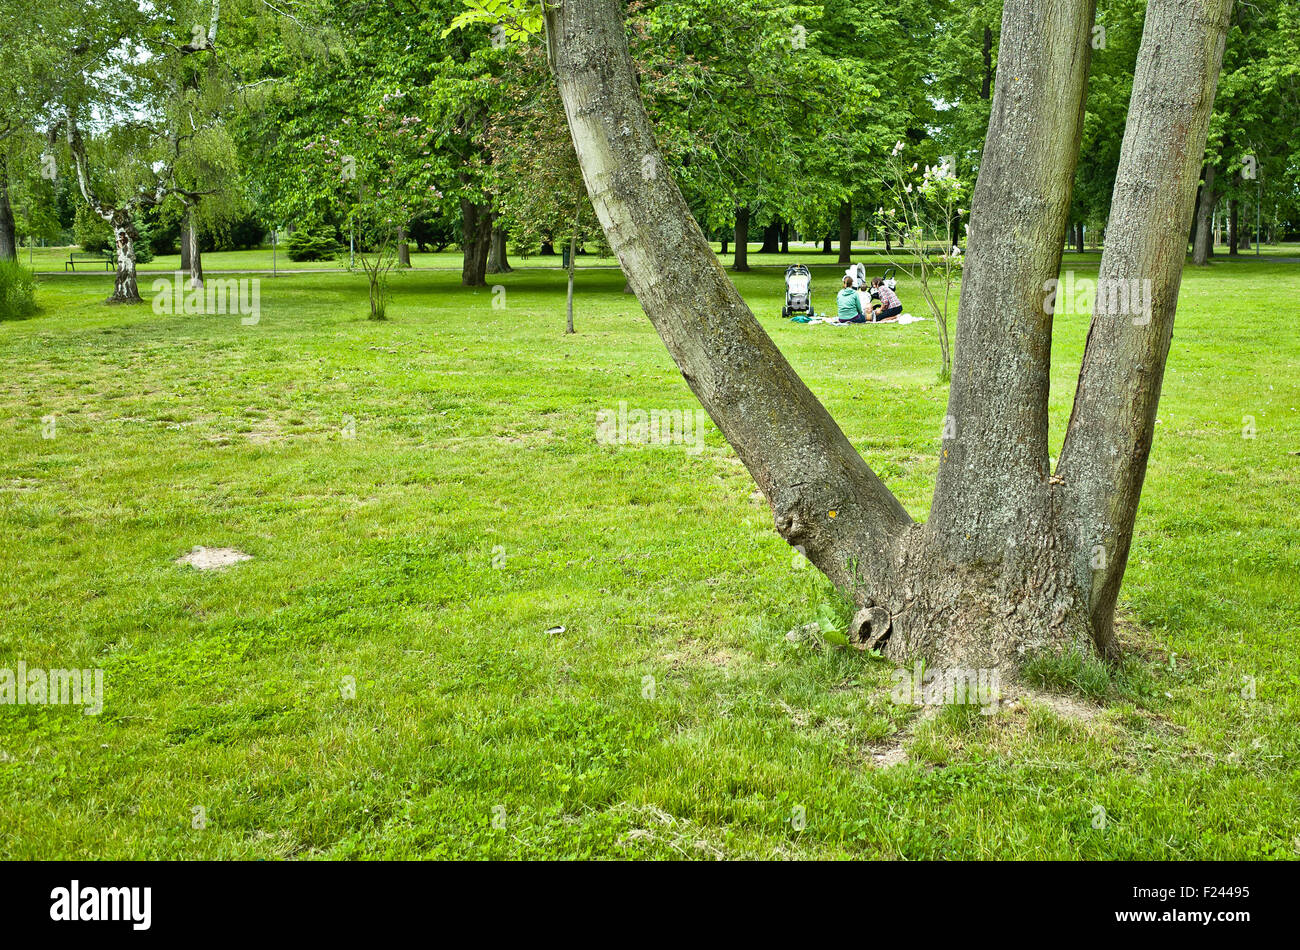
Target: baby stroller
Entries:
(798, 291)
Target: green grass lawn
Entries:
(424, 498)
(52, 259)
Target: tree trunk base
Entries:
(964, 617)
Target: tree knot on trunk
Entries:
(790, 524)
(870, 627)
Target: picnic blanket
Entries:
(903, 319)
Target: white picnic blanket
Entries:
(903, 318)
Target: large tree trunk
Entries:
(1203, 249)
(498, 261)
(125, 287)
(741, 260)
(992, 574)
(1104, 459)
(846, 233)
(826, 245)
(193, 263)
(992, 484)
(476, 238)
(771, 238)
(8, 239)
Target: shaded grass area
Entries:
(425, 498)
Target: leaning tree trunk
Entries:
(846, 233)
(1203, 249)
(741, 260)
(824, 496)
(993, 573)
(1104, 459)
(991, 497)
(8, 238)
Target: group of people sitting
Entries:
(858, 303)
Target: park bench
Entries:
(937, 250)
(88, 256)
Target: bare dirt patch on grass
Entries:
(212, 559)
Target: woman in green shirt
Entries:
(849, 304)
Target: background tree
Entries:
(1115, 39)
(537, 183)
(724, 81)
(198, 97)
(374, 177)
(46, 47)
(1252, 157)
